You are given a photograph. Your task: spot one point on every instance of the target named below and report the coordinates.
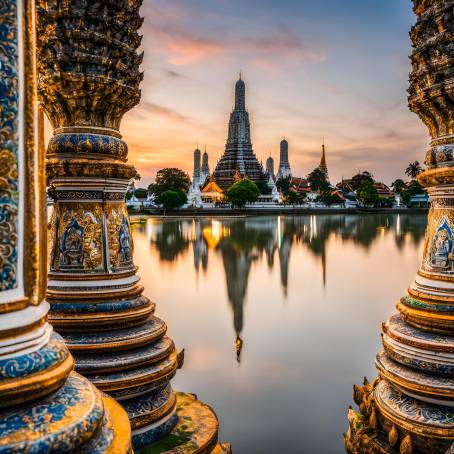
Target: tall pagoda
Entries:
(239, 155)
(284, 164)
(322, 166)
(205, 169)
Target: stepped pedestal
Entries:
(196, 431)
(410, 407)
(44, 406)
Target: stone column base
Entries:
(75, 418)
(195, 432)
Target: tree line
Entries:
(171, 186)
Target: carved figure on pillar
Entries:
(409, 407)
(44, 406)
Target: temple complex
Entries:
(409, 407)
(238, 155)
(44, 406)
(97, 301)
(284, 170)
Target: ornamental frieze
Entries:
(84, 195)
(438, 248)
(441, 247)
(120, 242)
(9, 182)
(88, 144)
(440, 155)
(78, 245)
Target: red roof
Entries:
(383, 190)
(300, 184)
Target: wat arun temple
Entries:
(238, 160)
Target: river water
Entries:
(278, 315)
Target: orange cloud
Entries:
(176, 38)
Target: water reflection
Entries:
(298, 301)
(242, 241)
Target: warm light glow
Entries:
(194, 50)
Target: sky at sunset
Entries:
(313, 69)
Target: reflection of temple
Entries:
(237, 265)
(243, 241)
(199, 247)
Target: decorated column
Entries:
(409, 408)
(44, 407)
(89, 78)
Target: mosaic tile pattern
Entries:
(59, 423)
(9, 119)
(415, 411)
(50, 355)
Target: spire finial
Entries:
(240, 75)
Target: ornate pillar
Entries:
(44, 407)
(410, 407)
(88, 79)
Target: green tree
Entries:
(412, 189)
(242, 192)
(171, 199)
(170, 179)
(413, 169)
(328, 198)
(263, 187)
(141, 193)
(386, 202)
(317, 180)
(367, 194)
(398, 185)
(360, 178)
(284, 185)
(292, 198)
(301, 197)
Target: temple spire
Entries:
(240, 95)
(284, 170)
(239, 154)
(323, 167)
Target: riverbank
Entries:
(290, 211)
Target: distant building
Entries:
(211, 192)
(420, 201)
(383, 190)
(346, 186)
(284, 164)
(196, 171)
(322, 166)
(205, 171)
(194, 198)
(238, 154)
(270, 167)
(274, 196)
(300, 185)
